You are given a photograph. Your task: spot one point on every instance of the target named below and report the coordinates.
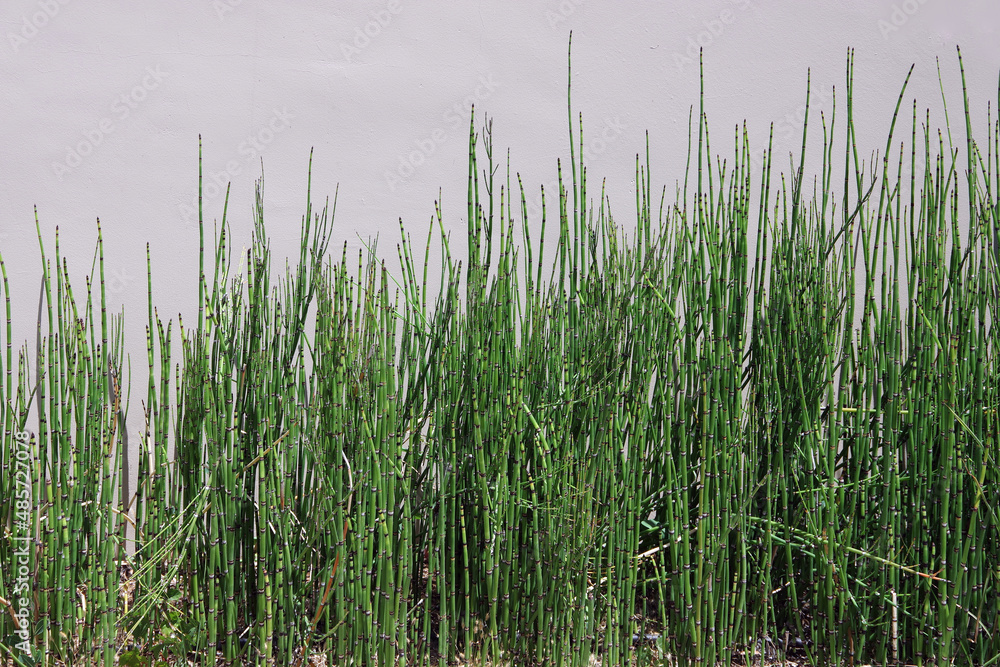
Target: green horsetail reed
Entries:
(693, 444)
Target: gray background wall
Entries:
(102, 104)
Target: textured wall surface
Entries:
(102, 104)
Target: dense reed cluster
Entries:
(659, 450)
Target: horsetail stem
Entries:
(671, 446)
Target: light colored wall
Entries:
(102, 104)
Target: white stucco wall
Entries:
(102, 104)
